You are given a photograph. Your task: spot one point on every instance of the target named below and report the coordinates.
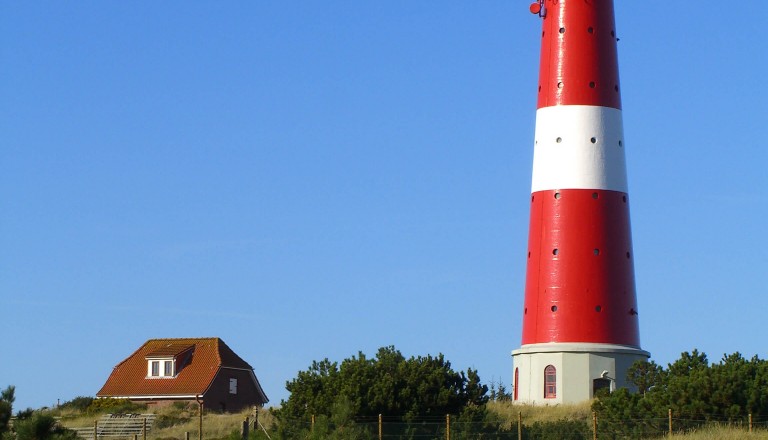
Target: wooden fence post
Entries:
(312, 428)
(144, 429)
(186, 435)
(447, 427)
(381, 431)
(750, 423)
(95, 430)
(669, 416)
(244, 429)
(594, 425)
(519, 425)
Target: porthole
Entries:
(620, 143)
(624, 198)
(555, 251)
(590, 30)
(596, 251)
(558, 140)
(595, 195)
(553, 308)
(627, 254)
(557, 195)
(562, 30)
(593, 140)
(591, 84)
(598, 308)
(560, 85)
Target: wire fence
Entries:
(453, 428)
(450, 427)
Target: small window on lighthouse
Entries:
(550, 382)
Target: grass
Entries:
(174, 421)
(530, 414)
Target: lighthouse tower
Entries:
(580, 317)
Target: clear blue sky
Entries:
(312, 178)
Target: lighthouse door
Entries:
(601, 384)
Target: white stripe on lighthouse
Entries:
(579, 147)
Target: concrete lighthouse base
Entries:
(555, 373)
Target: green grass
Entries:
(530, 414)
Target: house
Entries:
(163, 371)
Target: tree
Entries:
(7, 397)
(644, 375)
(389, 384)
(42, 427)
(694, 390)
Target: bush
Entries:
(42, 427)
(115, 406)
(80, 403)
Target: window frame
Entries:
(550, 382)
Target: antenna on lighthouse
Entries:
(580, 321)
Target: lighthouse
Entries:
(580, 315)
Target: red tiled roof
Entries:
(129, 377)
(170, 350)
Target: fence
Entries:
(118, 426)
(447, 427)
(592, 428)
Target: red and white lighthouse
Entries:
(580, 317)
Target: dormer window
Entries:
(154, 367)
(168, 361)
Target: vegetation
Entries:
(41, 426)
(343, 401)
(7, 397)
(408, 390)
(696, 392)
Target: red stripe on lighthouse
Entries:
(579, 64)
(580, 279)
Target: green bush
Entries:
(115, 406)
(80, 403)
(42, 427)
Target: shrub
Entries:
(80, 403)
(42, 427)
(110, 405)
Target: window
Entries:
(168, 368)
(155, 368)
(232, 386)
(550, 382)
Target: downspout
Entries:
(200, 421)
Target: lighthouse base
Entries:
(555, 373)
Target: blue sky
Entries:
(308, 179)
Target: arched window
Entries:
(514, 387)
(550, 382)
